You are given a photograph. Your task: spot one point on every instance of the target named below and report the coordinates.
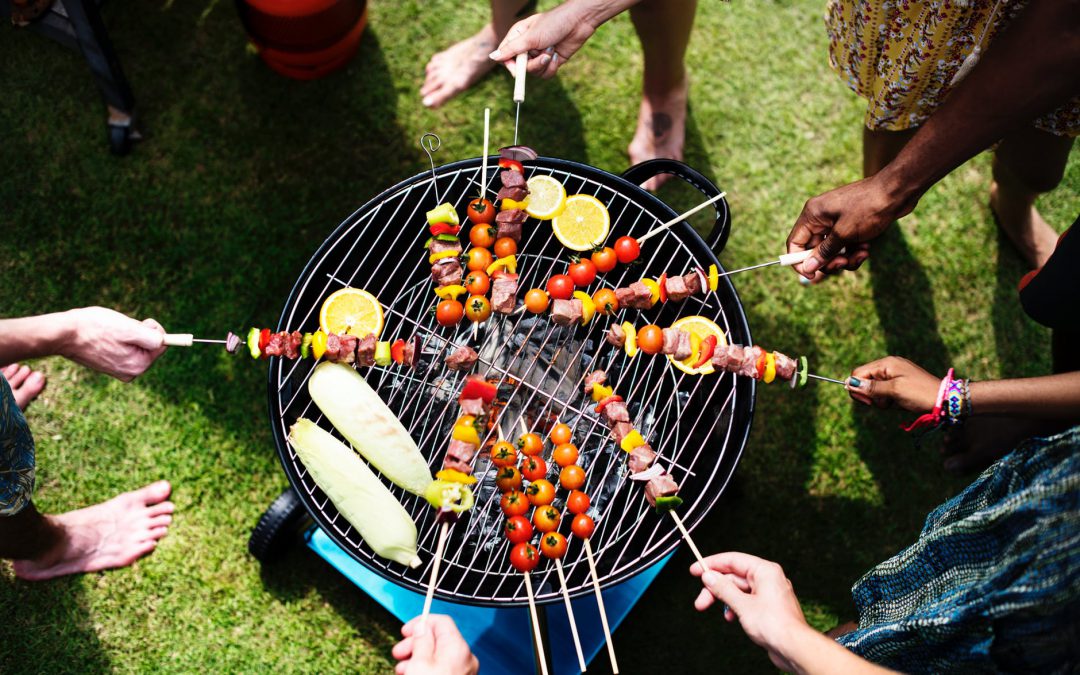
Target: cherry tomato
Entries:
(480, 211)
(606, 301)
(604, 259)
(530, 444)
(582, 526)
(477, 308)
(479, 259)
(560, 287)
(553, 545)
(524, 557)
(518, 529)
(565, 454)
(540, 492)
(482, 235)
(572, 477)
(449, 312)
(503, 454)
(509, 478)
(505, 246)
(650, 339)
(515, 503)
(546, 518)
(536, 301)
(560, 433)
(533, 468)
(477, 283)
(577, 502)
(583, 272)
(627, 249)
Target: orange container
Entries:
(304, 39)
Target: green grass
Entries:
(242, 174)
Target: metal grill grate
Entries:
(698, 425)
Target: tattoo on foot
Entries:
(661, 124)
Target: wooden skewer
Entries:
(570, 614)
(679, 219)
(484, 157)
(686, 536)
(536, 626)
(185, 340)
(434, 573)
(600, 604)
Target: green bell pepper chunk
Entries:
(665, 504)
(804, 368)
(305, 345)
(450, 495)
(253, 343)
(382, 353)
(443, 213)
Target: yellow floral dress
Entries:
(901, 55)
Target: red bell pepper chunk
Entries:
(662, 283)
(708, 346)
(511, 164)
(614, 398)
(444, 228)
(478, 387)
(397, 351)
(760, 366)
(264, 339)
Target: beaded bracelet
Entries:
(957, 402)
(933, 419)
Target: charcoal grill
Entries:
(698, 424)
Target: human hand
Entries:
(112, 343)
(435, 649)
(759, 595)
(895, 381)
(839, 225)
(549, 38)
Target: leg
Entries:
(1027, 164)
(25, 384)
(460, 66)
(112, 534)
(880, 147)
(664, 28)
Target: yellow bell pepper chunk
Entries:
(318, 344)
(654, 290)
(455, 476)
(588, 307)
(509, 263)
(450, 292)
(770, 368)
(631, 339)
(695, 350)
(600, 392)
(714, 278)
(510, 204)
(465, 430)
(436, 257)
(632, 440)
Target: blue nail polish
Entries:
(854, 381)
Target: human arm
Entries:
(897, 381)
(564, 29)
(95, 337)
(770, 614)
(1011, 85)
(437, 648)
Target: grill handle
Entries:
(718, 236)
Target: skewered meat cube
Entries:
(661, 486)
(511, 229)
(333, 346)
(276, 345)
(515, 193)
(462, 451)
(671, 340)
(620, 430)
(446, 272)
(684, 349)
(365, 351)
(616, 335)
(455, 464)
(693, 283)
(636, 296)
(408, 354)
(721, 357)
(641, 458)
(462, 359)
(292, 344)
(472, 406)
(676, 288)
(748, 364)
(504, 292)
(511, 178)
(595, 377)
(567, 312)
(785, 366)
(616, 411)
(438, 246)
(347, 352)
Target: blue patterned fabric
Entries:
(993, 582)
(16, 455)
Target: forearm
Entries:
(34, 336)
(1049, 397)
(1030, 69)
(597, 12)
(811, 653)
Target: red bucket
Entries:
(304, 39)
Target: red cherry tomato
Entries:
(606, 301)
(479, 259)
(627, 249)
(509, 478)
(604, 259)
(530, 444)
(560, 433)
(477, 283)
(518, 529)
(577, 502)
(477, 308)
(553, 545)
(536, 301)
(503, 454)
(449, 312)
(524, 557)
(515, 503)
(533, 468)
(582, 526)
(572, 477)
(546, 518)
(583, 272)
(504, 247)
(540, 492)
(651, 339)
(565, 454)
(481, 211)
(482, 235)
(560, 287)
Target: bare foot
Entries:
(112, 534)
(661, 129)
(1029, 233)
(25, 384)
(457, 68)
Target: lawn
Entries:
(242, 173)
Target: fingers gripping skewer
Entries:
(443, 531)
(570, 614)
(536, 626)
(678, 219)
(519, 89)
(600, 604)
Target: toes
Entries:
(155, 533)
(9, 370)
(160, 509)
(153, 493)
(18, 377)
(163, 520)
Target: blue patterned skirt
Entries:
(16, 455)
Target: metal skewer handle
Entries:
(178, 340)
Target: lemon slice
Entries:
(584, 223)
(353, 311)
(547, 197)
(700, 327)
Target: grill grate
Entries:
(698, 425)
